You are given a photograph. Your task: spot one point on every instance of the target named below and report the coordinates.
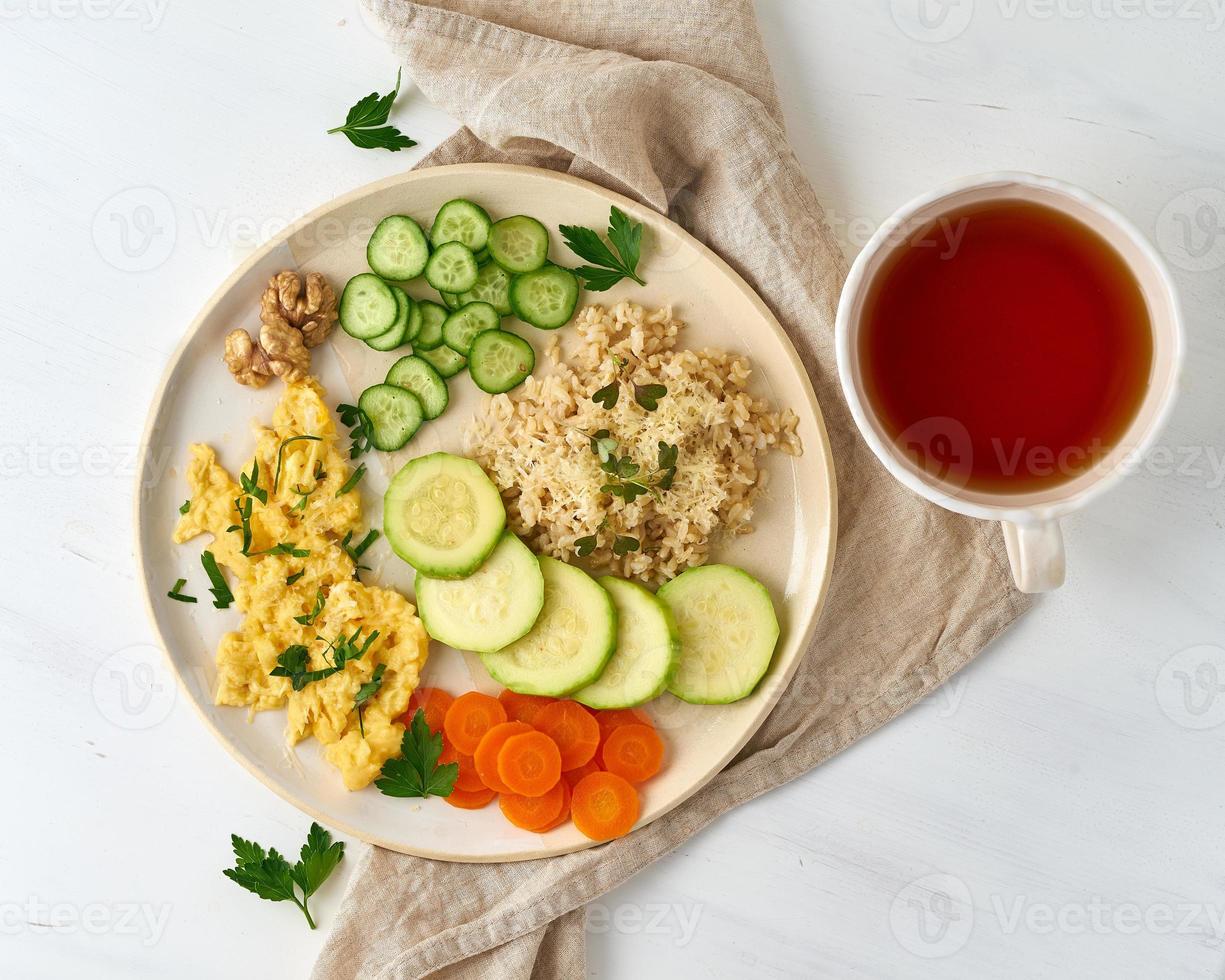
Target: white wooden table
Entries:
(1055, 812)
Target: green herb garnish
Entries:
(294, 577)
(186, 506)
(293, 661)
(607, 269)
(357, 550)
(280, 456)
(417, 772)
(365, 693)
(243, 506)
(222, 596)
(250, 484)
(365, 125)
(627, 481)
(284, 548)
(353, 480)
(310, 617)
(270, 876)
(177, 594)
(361, 429)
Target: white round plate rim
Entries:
(634, 210)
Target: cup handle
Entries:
(1035, 552)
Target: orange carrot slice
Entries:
(470, 717)
(529, 764)
(486, 755)
(522, 707)
(565, 809)
(534, 812)
(434, 701)
(470, 800)
(633, 752)
(586, 769)
(604, 806)
(611, 718)
(574, 730)
(468, 779)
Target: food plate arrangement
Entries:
(547, 519)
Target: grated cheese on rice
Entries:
(534, 443)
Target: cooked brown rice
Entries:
(534, 444)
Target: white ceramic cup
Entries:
(1031, 518)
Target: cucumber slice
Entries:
(648, 650)
(451, 300)
(406, 307)
(430, 334)
(483, 257)
(443, 360)
(420, 377)
(519, 243)
(367, 307)
(443, 515)
(395, 415)
(492, 607)
(728, 632)
(398, 250)
(452, 268)
(571, 643)
(499, 361)
(492, 287)
(545, 298)
(461, 221)
(462, 326)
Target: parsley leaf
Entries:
(365, 693)
(250, 484)
(271, 877)
(222, 596)
(186, 506)
(243, 506)
(365, 125)
(284, 548)
(355, 551)
(175, 593)
(417, 773)
(607, 269)
(293, 660)
(310, 617)
(294, 577)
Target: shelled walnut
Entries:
(295, 318)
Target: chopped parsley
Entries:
(353, 480)
(178, 595)
(365, 693)
(222, 596)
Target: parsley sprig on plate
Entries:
(417, 773)
(366, 123)
(271, 877)
(607, 268)
(293, 662)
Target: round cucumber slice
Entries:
(545, 298)
(492, 607)
(395, 415)
(728, 633)
(461, 221)
(462, 327)
(367, 307)
(443, 360)
(398, 250)
(499, 361)
(648, 650)
(519, 243)
(419, 376)
(443, 515)
(571, 642)
(492, 287)
(452, 268)
(406, 307)
(432, 318)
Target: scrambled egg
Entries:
(313, 470)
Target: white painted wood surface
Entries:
(1055, 812)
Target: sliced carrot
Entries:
(529, 764)
(604, 806)
(470, 717)
(574, 730)
(470, 799)
(468, 779)
(534, 812)
(565, 809)
(434, 701)
(486, 754)
(573, 776)
(522, 707)
(611, 718)
(633, 752)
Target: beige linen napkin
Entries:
(672, 102)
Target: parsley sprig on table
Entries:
(366, 123)
(270, 876)
(607, 269)
(417, 772)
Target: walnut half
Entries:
(295, 317)
(311, 310)
(246, 360)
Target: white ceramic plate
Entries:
(791, 550)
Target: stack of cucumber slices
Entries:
(483, 270)
(544, 627)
